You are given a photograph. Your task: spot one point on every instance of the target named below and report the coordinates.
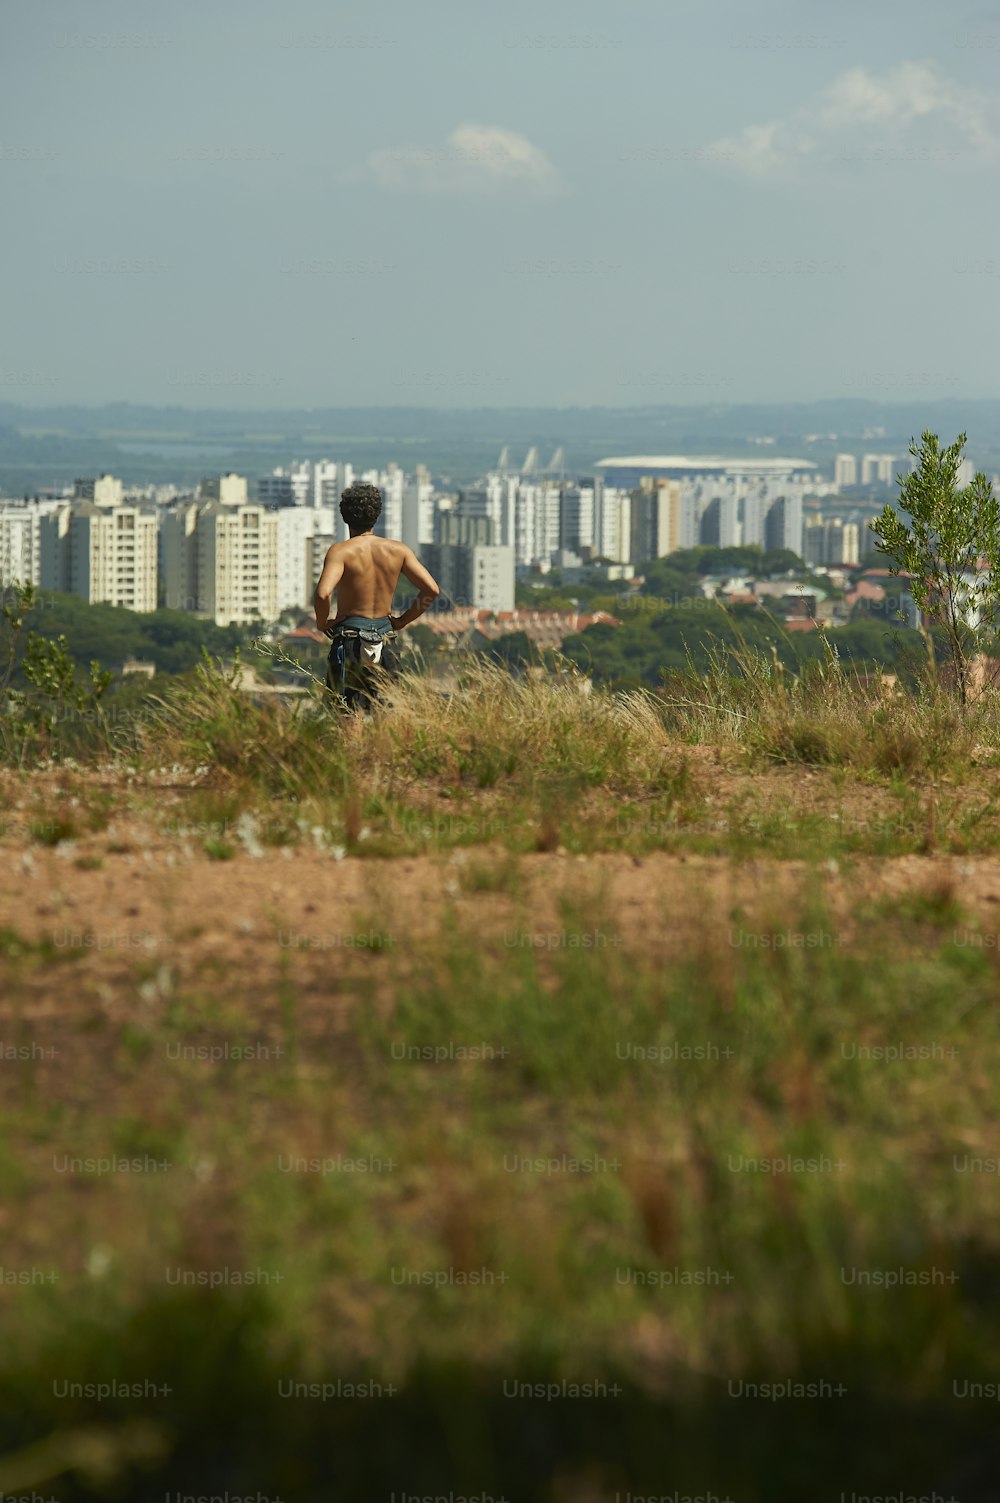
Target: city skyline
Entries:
(473, 211)
(224, 553)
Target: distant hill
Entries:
(45, 446)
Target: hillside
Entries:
(515, 1037)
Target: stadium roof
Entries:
(681, 462)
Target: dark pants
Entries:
(350, 671)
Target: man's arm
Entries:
(333, 572)
(428, 590)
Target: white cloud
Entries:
(858, 102)
(760, 150)
(474, 158)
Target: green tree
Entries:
(948, 540)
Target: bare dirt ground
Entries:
(131, 901)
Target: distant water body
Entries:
(170, 450)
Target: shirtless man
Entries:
(364, 573)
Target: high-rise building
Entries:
(330, 480)
(295, 526)
(317, 548)
(179, 556)
(576, 517)
(101, 550)
(612, 521)
(474, 503)
(501, 492)
(417, 521)
(754, 506)
(878, 469)
(237, 563)
(291, 487)
(814, 543)
(845, 470)
(470, 569)
(832, 542)
(536, 522)
(850, 545)
(719, 522)
(783, 524)
(655, 520)
(220, 556)
(20, 541)
(390, 483)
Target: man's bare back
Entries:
(363, 573)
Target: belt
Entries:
(373, 628)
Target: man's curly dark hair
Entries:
(361, 506)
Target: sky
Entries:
(455, 204)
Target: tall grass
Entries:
(592, 1072)
(491, 730)
(829, 714)
(495, 730)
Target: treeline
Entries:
(108, 634)
(663, 638)
(670, 623)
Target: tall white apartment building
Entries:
(490, 572)
(501, 492)
(101, 550)
(330, 479)
(390, 482)
(417, 510)
(20, 540)
(754, 508)
(297, 525)
(845, 470)
(576, 517)
(237, 563)
(220, 555)
(612, 521)
(536, 522)
(878, 467)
